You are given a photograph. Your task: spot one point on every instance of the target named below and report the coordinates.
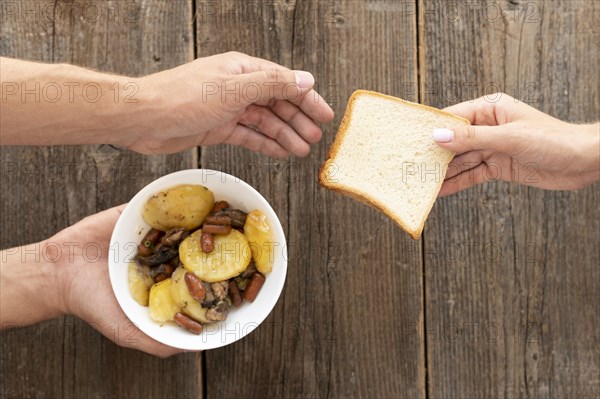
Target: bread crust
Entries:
(325, 181)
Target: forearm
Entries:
(49, 104)
(30, 286)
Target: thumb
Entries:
(263, 87)
(468, 138)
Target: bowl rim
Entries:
(120, 229)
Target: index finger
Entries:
(478, 112)
(315, 106)
(274, 89)
(311, 103)
(254, 64)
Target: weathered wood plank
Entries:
(346, 323)
(65, 357)
(512, 283)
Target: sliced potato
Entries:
(261, 240)
(162, 305)
(230, 257)
(181, 206)
(183, 299)
(140, 282)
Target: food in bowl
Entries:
(200, 257)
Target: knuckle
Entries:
(254, 116)
(486, 107)
(296, 117)
(272, 76)
(259, 117)
(265, 75)
(272, 102)
(278, 134)
(470, 133)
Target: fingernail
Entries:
(304, 79)
(443, 135)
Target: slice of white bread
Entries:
(384, 155)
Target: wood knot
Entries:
(339, 20)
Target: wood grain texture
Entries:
(346, 323)
(53, 187)
(512, 283)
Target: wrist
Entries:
(106, 107)
(590, 152)
(594, 151)
(59, 273)
(155, 114)
(53, 276)
(32, 285)
(121, 117)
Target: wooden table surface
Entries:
(499, 298)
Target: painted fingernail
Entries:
(304, 79)
(443, 135)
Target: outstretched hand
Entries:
(227, 98)
(509, 140)
(232, 98)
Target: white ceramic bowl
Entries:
(130, 229)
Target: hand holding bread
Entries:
(512, 141)
(386, 156)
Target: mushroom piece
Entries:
(163, 255)
(173, 237)
(250, 270)
(209, 297)
(162, 272)
(218, 312)
(220, 290)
